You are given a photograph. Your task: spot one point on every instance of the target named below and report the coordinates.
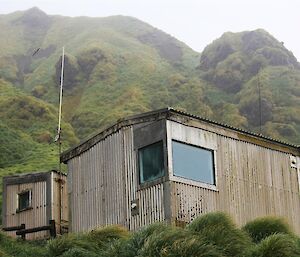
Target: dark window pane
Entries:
(193, 162)
(151, 162)
(24, 200)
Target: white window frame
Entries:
(197, 142)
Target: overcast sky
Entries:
(195, 22)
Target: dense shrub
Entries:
(261, 228)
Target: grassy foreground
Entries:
(210, 235)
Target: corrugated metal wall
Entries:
(252, 181)
(32, 218)
(96, 185)
(151, 199)
(45, 205)
(190, 201)
(102, 182)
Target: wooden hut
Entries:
(34, 199)
(171, 166)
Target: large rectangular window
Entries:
(24, 200)
(192, 162)
(151, 162)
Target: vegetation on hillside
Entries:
(242, 67)
(210, 235)
(118, 66)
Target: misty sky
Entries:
(195, 22)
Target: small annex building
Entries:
(167, 165)
(34, 199)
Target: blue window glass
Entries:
(151, 162)
(193, 162)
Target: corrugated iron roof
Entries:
(233, 128)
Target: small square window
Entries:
(151, 162)
(24, 200)
(192, 162)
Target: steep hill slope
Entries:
(256, 82)
(117, 66)
(114, 66)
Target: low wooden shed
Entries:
(34, 199)
(171, 166)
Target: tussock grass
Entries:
(161, 240)
(175, 242)
(79, 252)
(135, 243)
(211, 235)
(193, 246)
(16, 248)
(261, 228)
(102, 236)
(276, 245)
(65, 243)
(219, 229)
(86, 244)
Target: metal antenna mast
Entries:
(58, 136)
(259, 103)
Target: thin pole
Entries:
(259, 103)
(60, 106)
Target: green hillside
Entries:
(242, 66)
(117, 66)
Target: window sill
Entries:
(25, 209)
(194, 183)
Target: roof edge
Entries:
(34, 173)
(95, 138)
(234, 128)
(130, 120)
